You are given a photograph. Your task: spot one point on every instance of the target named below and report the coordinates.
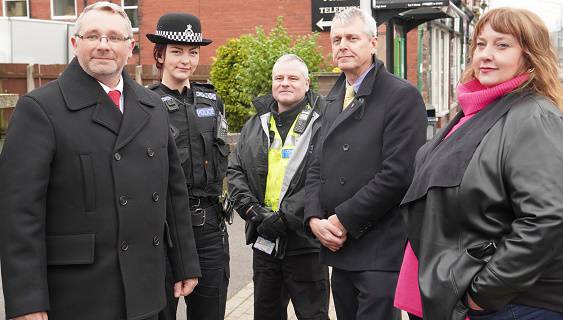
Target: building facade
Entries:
(431, 55)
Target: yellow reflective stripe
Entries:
(277, 164)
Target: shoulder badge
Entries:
(206, 95)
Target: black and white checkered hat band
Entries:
(180, 36)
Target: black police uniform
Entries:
(197, 124)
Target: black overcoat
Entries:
(362, 167)
(86, 193)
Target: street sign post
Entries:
(401, 4)
(324, 10)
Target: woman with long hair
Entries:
(485, 209)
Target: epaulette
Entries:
(152, 86)
(208, 86)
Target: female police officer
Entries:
(199, 127)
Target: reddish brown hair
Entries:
(159, 52)
(539, 55)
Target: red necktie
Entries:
(115, 95)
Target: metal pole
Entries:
(365, 5)
(29, 77)
(390, 46)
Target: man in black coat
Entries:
(92, 189)
(373, 125)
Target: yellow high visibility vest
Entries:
(279, 155)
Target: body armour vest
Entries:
(199, 128)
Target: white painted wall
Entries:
(35, 41)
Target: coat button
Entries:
(323, 180)
(342, 180)
(155, 241)
(117, 156)
(346, 147)
(123, 200)
(150, 152)
(124, 246)
(155, 197)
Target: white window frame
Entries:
(4, 8)
(440, 75)
(54, 17)
(135, 29)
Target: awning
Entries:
(415, 12)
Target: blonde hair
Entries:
(107, 7)
(540, 58)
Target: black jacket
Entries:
(363, 166)
(85, 195)
(204, 157)
(248, 171)
(485, 210)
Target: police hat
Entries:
(178, 28)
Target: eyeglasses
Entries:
(93, 38)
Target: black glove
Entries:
(273, 226)
(256, 213)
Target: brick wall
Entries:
(412, 55)
(224, 19)
(40, 9)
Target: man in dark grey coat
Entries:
(363, 164)
(92, 190)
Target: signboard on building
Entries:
(407, 4)
(324, 10)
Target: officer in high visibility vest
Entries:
(199, 127)
(266, 178)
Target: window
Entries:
(63, 9)
(131, 7)
(440, 69)
(16, 8)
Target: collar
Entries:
(282, 119)
(80, 90)
(366, 86)
(185, 90)
(356, 85)
(119, 86)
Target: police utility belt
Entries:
(204, 209)
(207, 209)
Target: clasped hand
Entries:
(330, 232)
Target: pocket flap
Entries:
(224, 149)
(70, 249)
(183, 154)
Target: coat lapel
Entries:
(444, 162)
(356, 108)
(81, 91)
(107, 115)
(135, 115)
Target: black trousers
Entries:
(300, 278)
(209, 298)
(364, 295)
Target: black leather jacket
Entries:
(485, 210)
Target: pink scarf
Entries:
(472, 97)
